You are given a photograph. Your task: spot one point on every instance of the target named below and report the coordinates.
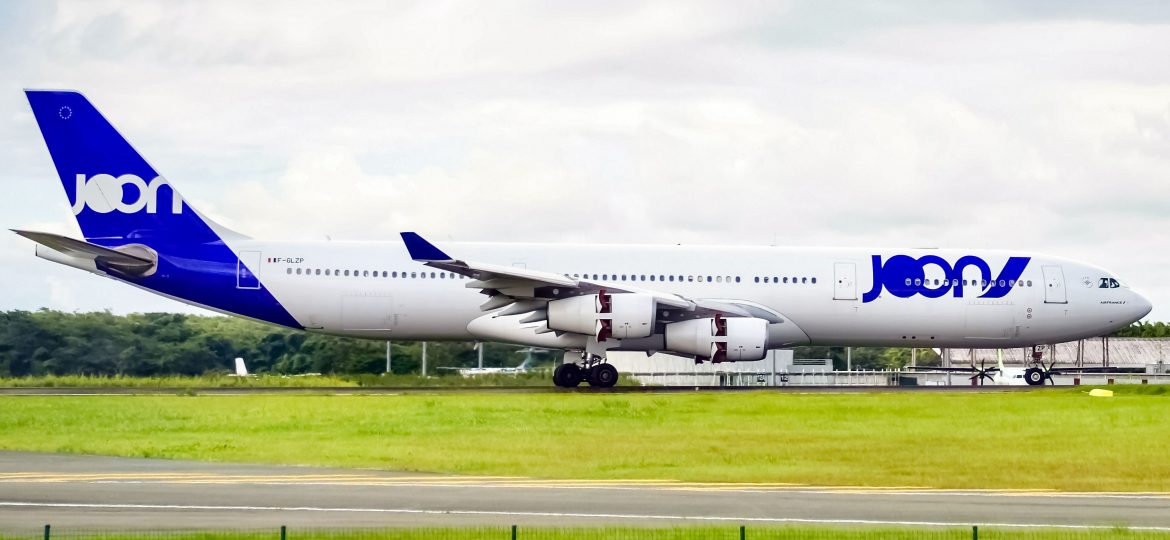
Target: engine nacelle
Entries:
(720, 339)
(622, 315)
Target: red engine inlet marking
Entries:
(606, 330)
(720, 353)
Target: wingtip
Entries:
(421, 250)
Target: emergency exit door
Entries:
(844, 281)
(1054, 292)
(247, 270)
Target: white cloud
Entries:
(913, 124)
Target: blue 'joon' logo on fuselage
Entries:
(904, 276)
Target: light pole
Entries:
(387, 357)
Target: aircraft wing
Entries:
(952, 369)
(524, 291)
(1059, 371)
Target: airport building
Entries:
(1149, 354)
(780, 368)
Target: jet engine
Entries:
(621, 316)
(720, 339)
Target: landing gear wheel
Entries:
(567, 376)
(1034, 376)
(603, 376)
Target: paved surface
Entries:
(90, 492)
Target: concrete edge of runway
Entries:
(96, 493)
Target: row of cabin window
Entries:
(688, 279)
(375, 273)
(971, 282)
(659, 277)
(794, 280)
(602, 277)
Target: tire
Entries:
(603, 376)
(1034, 376)
(567, 376)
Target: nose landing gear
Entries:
(1038, 373)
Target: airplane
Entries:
(999, 375)
(524, 367)
(709, 303)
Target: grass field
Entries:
(444, 379)
(630, 533)
(1052, 439)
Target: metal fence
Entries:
(514, 532)
(868, 378)
(768, 378)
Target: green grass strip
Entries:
(1053, 439)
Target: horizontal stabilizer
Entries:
(106, 257)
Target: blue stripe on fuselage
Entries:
(205, 274)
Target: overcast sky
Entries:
(1039, 126)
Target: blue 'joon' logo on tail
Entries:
(904, 276)
(112, 190)
(120, 199)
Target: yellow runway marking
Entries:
(367, 479)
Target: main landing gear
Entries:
(595, 371)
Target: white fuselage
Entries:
(822, 291)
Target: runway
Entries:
(89, 492)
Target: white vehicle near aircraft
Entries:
(710, 303)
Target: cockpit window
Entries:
(1108, 283)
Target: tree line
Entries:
(48, 342)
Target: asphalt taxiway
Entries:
(91, 492)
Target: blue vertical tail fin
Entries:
(114, 193)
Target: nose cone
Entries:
(1141, 306)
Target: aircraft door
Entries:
(248, 270)
(1054, 292)
(844, 281)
